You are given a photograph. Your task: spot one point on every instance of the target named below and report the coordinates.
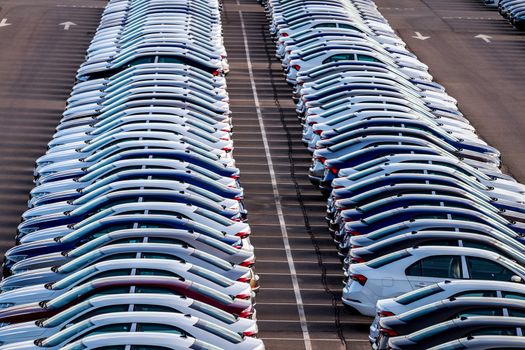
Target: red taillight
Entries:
(359, 278)
(388, 332)
(332, 169)
(238, 198)
(284, 34)
(348, 219)
(244, 279)
(234, 176)
(355, 246)
(296, 67)
(227, 149)
(335, 188)
(242, 234)
(357, 260)
(353, 233)
(247, 313)
(321, 159)
(237, 246)
(243, 296)
(225, 138)
(216, 72)
(385, 314)
(249, 333)
(318, 132)
(248, 263)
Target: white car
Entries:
(164, 341)
(403, 271)
(202, 216)
(161, 322)
(130, 251)
(126, 267)
(440, 291)
(106, 304)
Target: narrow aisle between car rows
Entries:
(283, 185)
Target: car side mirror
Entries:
(516, 279)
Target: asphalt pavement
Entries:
(479, 58)
(298, 306)
(469, 49)
(38, 61)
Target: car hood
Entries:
(21, 332)
(26, 294)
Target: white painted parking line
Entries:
(397, 8)
(472, 18)
(81, 6)
(278, 205)
(318, 339)
(309, 321)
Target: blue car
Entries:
(111, 224)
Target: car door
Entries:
(434, 269)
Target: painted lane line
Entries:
(278, 205)
(317, 339)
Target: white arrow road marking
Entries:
(420, 36)
(484, 37)
(3, 23)
(67, 25)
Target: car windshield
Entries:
(210, 195)
(213, 312)
(74, 278)
(66, 334)
(211, 276)
(370, 163)
(211, 293)
(382, 232)
(79, 262)
(215, 217)
(89, 246)
(70, 296)
(215, 261)
(418, 294)
(387, 259)
(418, 312)
(217, 245)
(66, 315)
(219, 331)
(421, 335)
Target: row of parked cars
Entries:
(430, 230)
(136, 234)
(511, 10)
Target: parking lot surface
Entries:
(478, 56)
(38, 61)
(296, 257)
(299, 303)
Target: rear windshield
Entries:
(387, 259)
(418, 294)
